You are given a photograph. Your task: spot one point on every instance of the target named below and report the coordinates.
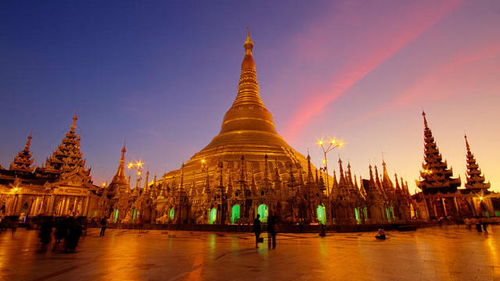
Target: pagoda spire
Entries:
(341, 173)
(474, 178)
(120, 183)
(67, 156)
(349, 174)
(73, 124)
(23, 161)
(248, 112)
(435, 175)
(386, 179)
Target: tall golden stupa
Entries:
(247, 135)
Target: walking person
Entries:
(271, 232)
(103, 227)
(257, 229)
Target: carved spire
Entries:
(243, 170)
(67, 157)
(341, 173)
(23, 161)
(266, 171)
(435, 175)
(310, 177)
(386, 179)
(474, 178)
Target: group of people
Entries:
(271, 231)
(9, 222)
(480, 223)
(67, 233)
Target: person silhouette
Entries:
(271, 231)
(257, 229)
(103, 227)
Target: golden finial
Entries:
(248, 43)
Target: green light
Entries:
(263, 212)
(356, 214)
(115, 219)
(321, 214)
(388, 214)
(235, 213)
(171, 214)
(134, 215)
(212, 215)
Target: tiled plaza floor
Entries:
(448, 253)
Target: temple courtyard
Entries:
(435, 253)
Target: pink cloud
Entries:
(416, 92)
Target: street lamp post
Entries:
(137, 166)
(327, 147)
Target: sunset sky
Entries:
(159, 76)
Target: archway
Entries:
(263, 211)
(235, 213)
(321, 214)
(212, 215)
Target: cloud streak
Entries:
(380, 45)
(415, 93)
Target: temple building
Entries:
(62, 187)
(249, 169)
(246, 170)
(440, 196)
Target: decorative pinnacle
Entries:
(28, 144)
(73, 124)
(425, 119)
(248, 44)
(467, 143)
(124, 149)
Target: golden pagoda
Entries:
(247, 132)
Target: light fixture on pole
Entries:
(326, 147)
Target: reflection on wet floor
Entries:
(447, 253)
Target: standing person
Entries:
(103, 227)
(45, 233)
(271, 232)
(257, 229)
(14, 221)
